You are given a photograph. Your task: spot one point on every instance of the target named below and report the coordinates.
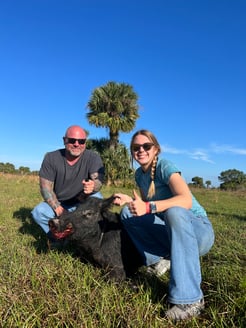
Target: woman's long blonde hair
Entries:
(152, 139)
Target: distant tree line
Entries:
(114, 106)
(10, 168)
(119, 171)
(231, 179)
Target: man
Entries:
(67, 176)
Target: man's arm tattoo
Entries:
(46, 189)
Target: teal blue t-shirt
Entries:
(164, 170)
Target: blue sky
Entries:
(184, 58)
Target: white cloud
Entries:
(205, 154)
(202, 156)
(171, 150)
(221, 149)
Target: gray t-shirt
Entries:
(68, 179)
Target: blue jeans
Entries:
(180, 236)
(42, 213)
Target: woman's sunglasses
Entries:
(146, 146)
(73, 140)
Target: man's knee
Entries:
(35, 213)
(42, 212)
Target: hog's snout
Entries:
(55, 228)
(54, 223)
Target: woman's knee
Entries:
(174, 215)
(206, 243)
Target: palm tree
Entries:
(117, 165)
(98, 145)
(116, 161)
(114, 106)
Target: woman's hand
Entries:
(137, 206)
(121, 199)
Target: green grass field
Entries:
(54, 289)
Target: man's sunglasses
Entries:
(146, 146)
(73, 140)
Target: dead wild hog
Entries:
(99, 237)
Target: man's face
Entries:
(75, 142)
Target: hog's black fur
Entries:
(100, 237)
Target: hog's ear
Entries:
(107, 203)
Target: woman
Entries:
(167, 222)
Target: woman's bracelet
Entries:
(147, 208)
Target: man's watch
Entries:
(152, 207)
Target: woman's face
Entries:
(143, 151)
